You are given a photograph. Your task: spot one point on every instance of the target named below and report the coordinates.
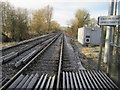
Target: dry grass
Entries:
(90, 59)
(8, 44)
(91, 52)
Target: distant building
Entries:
(88, 35)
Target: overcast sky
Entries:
(64, 10)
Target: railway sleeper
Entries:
(29, 56)
(25, 59)
(8, 57)
(1, 61)
(45, 69)
(24, 49)
(12, 55)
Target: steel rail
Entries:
(20, 71)
(23, 42)
(14, 54)
(82, 79)
(60, 63)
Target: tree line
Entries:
(17, 25)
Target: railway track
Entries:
(33, 65)
(23, 46)
(56, 67)
(71, 62)
(14, 65)
(47, 63)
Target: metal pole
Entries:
(111, 53)
(108, 34)
(117, 43)
(1, 26)
(117, 58)
(108, 37)
(101, 45)
(114, 13)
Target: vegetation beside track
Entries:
(8, 44)
(88, 59)
(88, 56)
(19, 24)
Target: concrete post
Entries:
(117, 51)
(108, 34)
(101, 46)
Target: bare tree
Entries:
(48, 16)
(21, 24)
(42, 22)
(14, 22)
(82, 18)
(55, 26)
(38, 21)
(93, 22)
